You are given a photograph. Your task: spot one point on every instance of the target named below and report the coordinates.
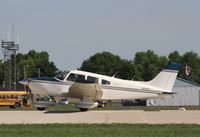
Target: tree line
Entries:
(143, 66)
(32, 64)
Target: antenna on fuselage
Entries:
(115, 74)
(132, 79)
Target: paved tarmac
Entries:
(108, 116)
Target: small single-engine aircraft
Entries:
(91, 90)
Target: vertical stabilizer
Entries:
(166, 78)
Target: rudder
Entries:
(166, 78)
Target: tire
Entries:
(83, 109)
(41, 108)
(103, 105)
(17, 105)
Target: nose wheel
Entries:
(41, 108)
(83, 109)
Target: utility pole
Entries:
(25, 74)
(38, 72)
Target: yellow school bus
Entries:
(14, 99)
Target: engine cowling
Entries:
(88, 91)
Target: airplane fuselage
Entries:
(113, 88)
(90, 88)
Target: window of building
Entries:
(105, 82)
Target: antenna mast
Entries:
(9, 49)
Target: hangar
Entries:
(187, 94)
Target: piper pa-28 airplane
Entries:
(90, 89)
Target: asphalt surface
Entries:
(114, 116)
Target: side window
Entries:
(92, 79)
(75, 77)
(105, 82)
(80, 77)
(71, 77)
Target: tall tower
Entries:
(9, 49)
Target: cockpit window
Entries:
(62, 75)
(75, 77)
(105, 82)
(92, 79)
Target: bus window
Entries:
(14, 99)
(92, 79)
(75, 77)
(105, 82)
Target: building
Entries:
(188, 94)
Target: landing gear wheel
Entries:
(41, 108)
(103, 105)
(83, 109)
(17, 105)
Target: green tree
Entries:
(144, 66)
(149, 64)
(109, 64)
(193, 60)
(102, 63)
(127, 70)
(1, 72)
(175, 56)
(33, 62)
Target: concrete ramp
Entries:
(114, 116)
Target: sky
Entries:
(73, 30)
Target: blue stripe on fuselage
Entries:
(173, 66)
(45, 79)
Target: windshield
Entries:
(62, 75)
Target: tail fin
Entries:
(166, 78)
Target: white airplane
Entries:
(90, 89)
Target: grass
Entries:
(100, 130)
